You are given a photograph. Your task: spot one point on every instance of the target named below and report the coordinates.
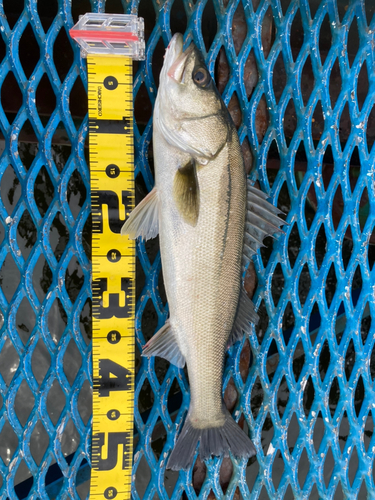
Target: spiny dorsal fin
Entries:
(164, 345)
(186, 193)
(144, 219)
(245, 315)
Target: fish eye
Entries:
(201, 77)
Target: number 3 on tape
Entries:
(110, 42)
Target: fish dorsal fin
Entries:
(245, 315)
(262, 220)
(144, 219)
(186, 193)
(164, 345)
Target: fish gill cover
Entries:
(298, 79)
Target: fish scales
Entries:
(198, 207)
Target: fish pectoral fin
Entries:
(144, 219)
(245, 315)
(186, 193)
(164, 344)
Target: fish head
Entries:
(189, 110)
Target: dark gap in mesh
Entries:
(161, 289)
(262, 119)
(40, 361)
(325, 38)
(277, 469)
(337, 207)
(79, 8)
(239, 28)
(47, 12)
(268, 32)
(29, 52)
(29, 148)
(370, 10)
(86, 236)
(10, 189)
(371, 250)
(315, 318)
(279, 77)
(45, 99)
(2, 56)
(209, 25)
(43, 191)
(78, 102)
(294, 244)
(344, 431)
(327, 166)
(12, 10)
(142, 108)
(320, 246)
(353, 466)
(365, 324)
(178, 22)
(311, 205)
(339, 495)
(61, 147)
(329, 464)
(142, 477)
(307, 80)
(9, 443)
(55, 402)
(267, 433)
(273, 162)
(308, 396)
(261, 327)
(152, 248)
(340, 323)
(170, 481)
(74, 279)
(277, 283)
(303, 468)
(288, 322)
(11, 96)
(247, 155)
(149, 320)
(24, 403)
(174, 399)
(85, 323)
(70, 440)
(370, 128)
(246, 360)
(272, 351)
(145, 400)
(354, 168)
(234, 109)
(23, 472)
(26, 234)
(290, 120)
(324, 360)
(76, 193)
(222, 70)
(359, 396)
(353, 41)
(150, 159)
(364, 208)
(10, 277)
(283, 199)
(230, 395)
(57, 320)
(296, 35)
(146, 10)
(293, 433)
(362, 490)
(356, 285)
(161, 367)
(282, 396)
(158, 438)
(317, 120)
(63, 56)
(319, 429)
(304, 284)
(334, 396)
(72, 361)
(298, 360)
(313, 4)
(257, 396)
(345, 125)
(42, 278)
(25, 320)
(114, 7)
(362, 85)
(335, 83)
(39, 441)
(368, 431)
(300, 164)
(58, 236)
(349, 359)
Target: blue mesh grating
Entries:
(303, 380)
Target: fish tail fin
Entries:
(218, 441)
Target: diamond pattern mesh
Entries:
(298, 78)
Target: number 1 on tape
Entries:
(110, 42)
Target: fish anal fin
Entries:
(144, 219)
(186, 193)
(164, 345)
(245, 315)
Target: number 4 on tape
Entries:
(110, 42)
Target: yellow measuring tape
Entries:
(111, 42)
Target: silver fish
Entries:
(210, 222)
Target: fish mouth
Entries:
(175, 58)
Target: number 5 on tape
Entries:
(110, 42)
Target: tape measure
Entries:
(110, 42)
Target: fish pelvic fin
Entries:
(217, 441)
(164, 344)
(186, 193)
(144, 219)
(245, 315)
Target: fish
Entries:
(210, 221)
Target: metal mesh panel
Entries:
(299, 79)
